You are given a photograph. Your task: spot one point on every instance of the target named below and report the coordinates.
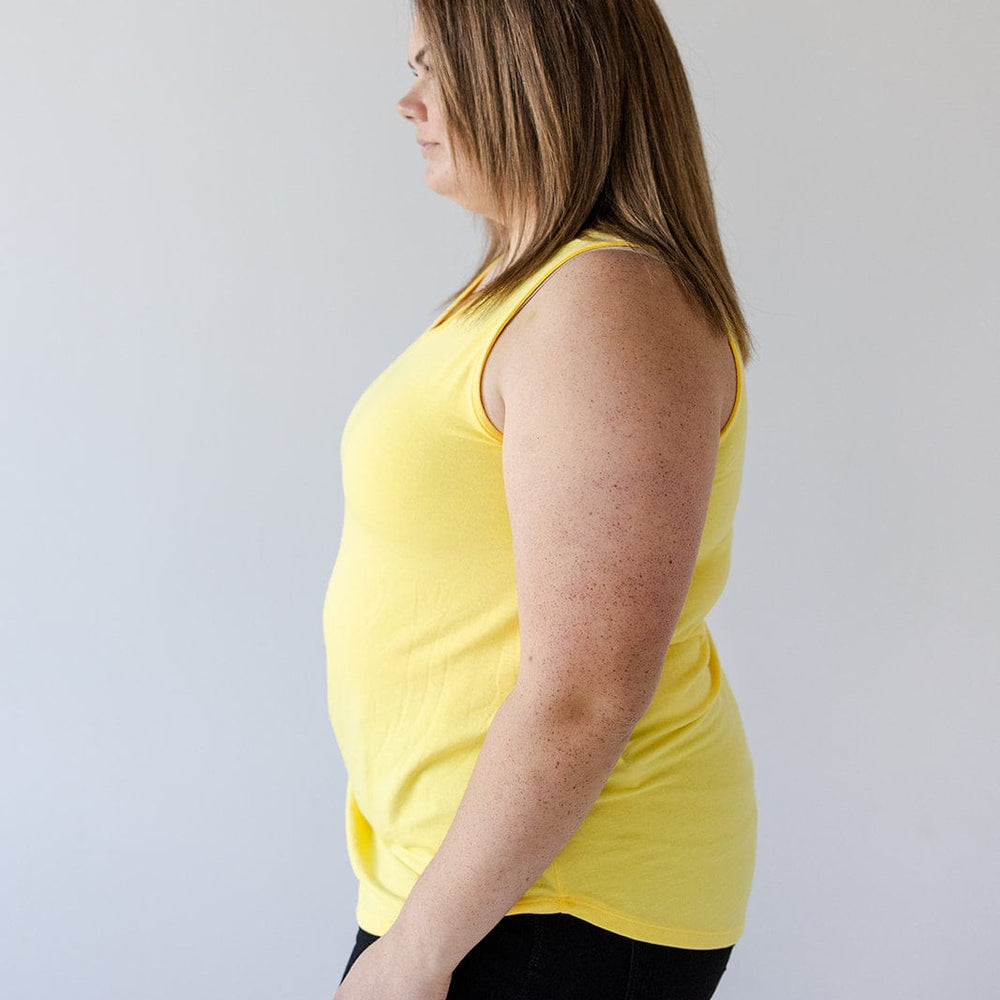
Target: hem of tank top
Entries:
(680, 937)
(479, 408)
(706, 940)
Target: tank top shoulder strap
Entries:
(589, 239)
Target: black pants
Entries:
(557, 956)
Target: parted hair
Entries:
(577, 114)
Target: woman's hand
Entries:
(388, 970)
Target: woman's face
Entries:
(421, 106)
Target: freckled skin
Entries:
(610, 441)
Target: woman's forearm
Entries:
(539, 772)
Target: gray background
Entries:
(215, 232)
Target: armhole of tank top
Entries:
(738, 402)
(479, 408)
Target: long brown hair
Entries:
(577, 114)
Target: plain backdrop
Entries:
(215, 232)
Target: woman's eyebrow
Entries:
(418, 58)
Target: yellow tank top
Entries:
(421, 634)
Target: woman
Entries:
(549, 789)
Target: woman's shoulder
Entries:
(617, 293)
(616, 302)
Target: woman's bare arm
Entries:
(612, 407)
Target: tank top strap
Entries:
(506, 308)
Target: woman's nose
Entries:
(410, 108)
